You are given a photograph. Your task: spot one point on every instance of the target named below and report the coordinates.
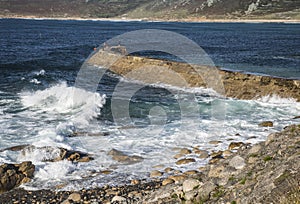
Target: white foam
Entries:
(80, 105)
(275, 99)
(35, 81)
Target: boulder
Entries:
(237, 162)
(266, 124)
(185, 161)
(190, 184)
(124, 158)
(13, 175)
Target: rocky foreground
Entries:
(267, 172)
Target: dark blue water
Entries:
(267, 48)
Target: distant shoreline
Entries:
(191, 20)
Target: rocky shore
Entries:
(231, 84)
(267, 172)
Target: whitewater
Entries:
(48, 117)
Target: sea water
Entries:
(40, 106)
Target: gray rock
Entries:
(190, 184)
(118, 199)
(237, 162)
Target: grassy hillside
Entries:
(156, 9)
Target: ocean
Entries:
(40, 60)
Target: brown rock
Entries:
(191, 172)
(76, 197)
(106, 172)
(168, 170)
(122, 157)
(178, 178)
(13, 175)
(214, 142)
(227, 153)
(135, 182)
(155, 174)
(167, 181)
(177, 156)
(185, 151)
(217, 155)
(266, 124)
(185, 161)
(235, 145)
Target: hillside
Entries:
(166, 9)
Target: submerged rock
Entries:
(124, 158)
(13, 175)
(185, 161)
(54, 154)
(266, 124)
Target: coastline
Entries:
(185, 20)
(267, 172)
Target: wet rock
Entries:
(185, 151)
(167, 181)
(217, 155)
(177, 156)
(215, 160)
(178, 178)
(160, 166)
(226, 153)
(123, 158)
(214, 142)
(191, 172)
(266, 124)
(53, 154)
(190, 184)
(235, 145)
(185, 161)
(106, 172)
(15, 148)
(297, 117)
(135, 182)
(237, 162)
(155, 174)
(168, 170)
(13, 175)
(203, 154)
